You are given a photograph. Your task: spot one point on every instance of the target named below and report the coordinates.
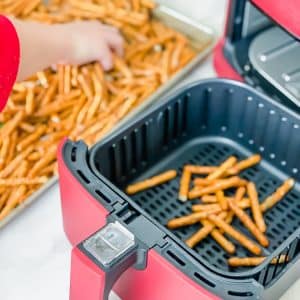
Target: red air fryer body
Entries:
(83, 215)
(137, 259)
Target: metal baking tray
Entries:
(275, 55)
(201, 38)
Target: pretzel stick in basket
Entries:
(209, 199)
(278, 195)
(203, 232)
(255, 208)
(204, 182)
(184, 185)
(255, 261)
(205, 207)
(151, 182)
(240, 193)
(244, 164)
(220, 185)
(243, 204)
(222, 200)
(190, 219)
(200, 170)
(218, 236)
(242, 239)
(246, 220)
(228, 163)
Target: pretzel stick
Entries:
(222, 200)
(209, 199)
(9, 127)
(74, 75)
(205, 207)
(20, 181)
(148, 4)
(34, 156)
(61, 77)
(238, 236)
(190, 219)
(240, 193)
(101, 11)
(200, 170)
(50, 169)
(42, 77)
(85, 86)
(244, 164)
(44, 161)
(151, 182)
(212, 199)
(255, 208)
(181, 43)
(12, 148)
(67, 79)
(3, 198)
(254, 261)
(222, 241)
(11, 166)
(201, 233)
(50, 91)
(31, 138)
(220, 185)
(30, 7)
(122, 67)
(228, 163)
(56, 107)
(135, 5)
(184, 185)
(205, 182)
(278, 195)
(246, 220)
(12, 201)
(229, 218)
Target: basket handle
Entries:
(99, 261)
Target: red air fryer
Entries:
(122, 243)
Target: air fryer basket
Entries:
(203, 124)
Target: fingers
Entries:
(114, 40)
(105, 56)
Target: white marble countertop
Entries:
(34, 252)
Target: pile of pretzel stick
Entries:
(80, 102)
(217, 209)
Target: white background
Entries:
(34, 252)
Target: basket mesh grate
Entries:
(160, 202)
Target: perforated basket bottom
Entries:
(162, 204)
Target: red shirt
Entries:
(9, 59)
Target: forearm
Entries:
(41, 45)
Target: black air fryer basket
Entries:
(203, 124)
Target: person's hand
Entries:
(92, 41)
(75, 43)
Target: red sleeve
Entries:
(9, 58)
